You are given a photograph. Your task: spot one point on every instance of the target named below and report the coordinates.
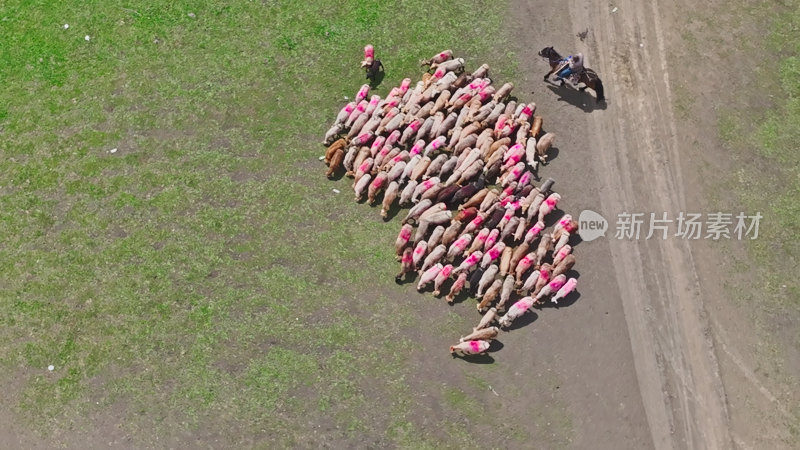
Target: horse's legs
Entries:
(547, 75)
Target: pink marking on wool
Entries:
(404, 85)
(385, 150)
(475, 85)
(378, 182)
(526, 260)
(482, 237)
(374, 100)
(522, 305)
(465, 97)
(444, 55)
(508, 215)
(526, 177)
(363, 91)
(418, 146)
(527, 110)
(439, 73)
(400, 156)
(393, 137)
(446, 270)
(377, 144)
(569, 286)
(501, 122)
(393, 92)
(415, 124)
(477, 221)
(544, 275)
(369, 51)
(405, 234)
(494, 252)
(348, 108)
(508, 191)
(475, 346)
(551, 202)
(565, 220)
(484, 95)
(556, 284)
(473, 258)
(365, 166)
(420, 249)
(570, 227)
(391, 103)
(362, 106)
(365, 137)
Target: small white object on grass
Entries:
(346, 98)
(113, 150)
(51, 367)
(66, 25)
(322, 157)
(87, 37)
(336, 191)
(614, 10)
(641, 45)
(191, 14)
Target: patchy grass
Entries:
(762, 134)
(169, 243)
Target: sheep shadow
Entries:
(337, 175)
(461, 297)
(552, 154)
(565, 302)
(376, 79)
(486, 358)
(574, 239)
(526, 319)
(411, 277)
(476, 359)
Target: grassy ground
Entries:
(763, 142)
(760, 129)
(167, 243)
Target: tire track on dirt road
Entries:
(636, 157)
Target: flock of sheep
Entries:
(464, 156)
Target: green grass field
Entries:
(169, 243)
(763, 142)
(759, 127)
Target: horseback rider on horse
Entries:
(574, 66)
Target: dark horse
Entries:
(587, 76)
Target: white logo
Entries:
(591, 225)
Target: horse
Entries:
(587, 76)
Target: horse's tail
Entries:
(599, 89)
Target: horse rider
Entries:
(574, 66)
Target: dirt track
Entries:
(631, 150)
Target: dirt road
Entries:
(632, 152)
